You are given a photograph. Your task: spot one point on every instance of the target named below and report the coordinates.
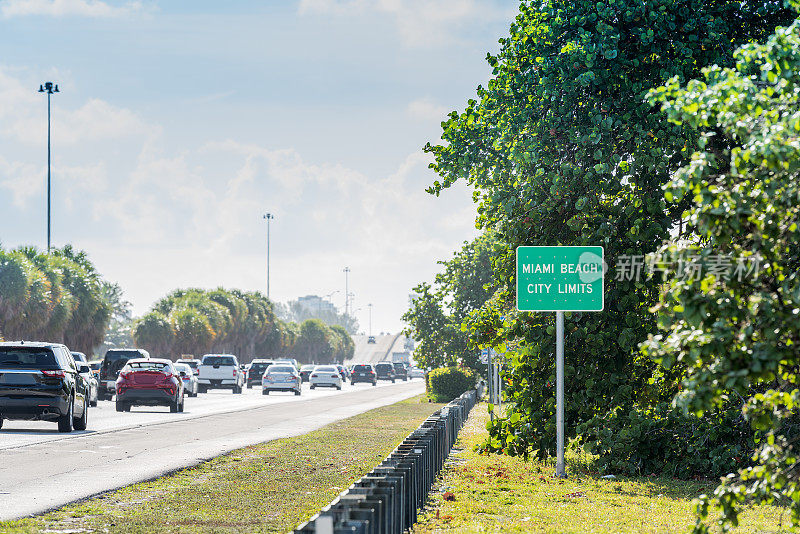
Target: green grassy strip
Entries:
(271, 487)
(479, 493)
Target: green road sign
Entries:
(560, 278)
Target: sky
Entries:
(180, 123)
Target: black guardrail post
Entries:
(386, 500)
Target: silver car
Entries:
(190, 385)
(281, 377)
(90, 378)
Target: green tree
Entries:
(315, 344)
(437, 312)
(119, 333)
(193, 331)
(346, 347)
(562, 148)
(736, 333)
(155, 333)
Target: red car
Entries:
(149, 382)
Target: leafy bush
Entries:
(446, 383)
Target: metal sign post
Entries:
(559, 279)
(560, 471)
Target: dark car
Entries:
(42, 382)
(256, 371)
(305, 372)
(400, 370)
(371, 339)
(149, 382)
(385, 371)
(363, 372)
(113, 361)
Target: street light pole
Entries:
(370, 318)
(49, 88)
(346, 290)
(268, 216)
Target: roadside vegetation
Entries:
(497, 493)
(667, 132)
(271, 487)
(59, 297)
(197, 321)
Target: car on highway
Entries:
(385, 371)
(113, 361)
(371, 339)
(94, 365)
(416, 372)
(149, 382)
(400, 370)
(364, 372)
(193, 363)
(220, 371)
(91, 380)
(42, 382)
(290, 361)
(344, 372)
(305, 371)
(255, 372)
(325, 376)
(281, 377)
(190, 384)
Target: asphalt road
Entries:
(41, 469)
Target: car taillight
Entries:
(293, 377)
(313, 376)
(334, 376)
(372, 373)
(125, 376)
(56, 373)
(234, 372)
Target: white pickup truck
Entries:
(220, 371)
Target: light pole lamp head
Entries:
(268, 216)
(49, 88)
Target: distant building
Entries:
(316, 304)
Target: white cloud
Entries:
(21, 179)
(61, 8)
(419, 23)
(426, 109)
(23, 117)
(155, 217)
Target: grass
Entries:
(478, 493)
(271, 487)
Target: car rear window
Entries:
(115, 355)
(362, 368)
(27, 357)
(218, 360)
(280, 369)
(327, 369)
(307, 368)
(383, 366)
(149, 366)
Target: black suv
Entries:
(256, 371)
(363, 372)
(113, 362)
(42, 382)
(400, 370)
(385, 371)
